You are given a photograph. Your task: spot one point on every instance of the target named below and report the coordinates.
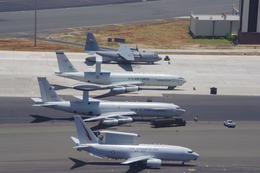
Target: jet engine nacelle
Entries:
(125, 89)
(153, 163)
(115, 122)
(110, 122)
(125, 120)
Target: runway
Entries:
(208, 108)
(22, 21)
(47, 148)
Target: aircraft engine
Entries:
(125, 120)
(110, 122)
(125, 89)
(91, 59)
(153, 163)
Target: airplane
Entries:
(109, 113)
(123, 55)
(123, 81)
(120, 145)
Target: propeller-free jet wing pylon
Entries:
(120, 145)
(107, 112)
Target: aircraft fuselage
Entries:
(142, 109)
(163, 152)
(107, 78)
(148, 57)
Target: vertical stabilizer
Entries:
(85, 134)
(64, 63)
(47, 91)
(91, 43)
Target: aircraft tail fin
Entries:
(91, 43)
(64, 63)
(85, 134)
(47, 91)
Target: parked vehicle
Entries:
(229, 124)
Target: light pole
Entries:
(35, 22)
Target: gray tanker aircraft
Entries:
(107, 112)
(120, 145)
(123, 55)
(123, 81)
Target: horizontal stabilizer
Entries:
(37, 100)
(75, 140)
(46, 104)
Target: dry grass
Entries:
(162, 34)
(168, 34)
(28, 45)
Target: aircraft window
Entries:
(190, 151)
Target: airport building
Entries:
(219, 25)
(249, 32)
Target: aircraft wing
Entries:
(126, 83)
(94, 87)
(136, 159)
(110, 115)
(126, 53)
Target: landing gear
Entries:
(183, 163)
(171, 87)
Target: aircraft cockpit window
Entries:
(190, 151)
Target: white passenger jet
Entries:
(120, 145)
(121, 81)
(108, 112)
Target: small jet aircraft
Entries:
(120, 145)
(107, 112)
(123, 55)
(120, 81)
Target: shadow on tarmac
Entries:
(98, 126)
(133, 168)
(42, 119)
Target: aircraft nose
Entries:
(182, 81)
(181, 111)
(195, 156)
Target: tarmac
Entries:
(231, 75)
(47, 148)
(36, 139)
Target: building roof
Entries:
(216, 17)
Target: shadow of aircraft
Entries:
(41, 119)
(98, 126)
(133, 168)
